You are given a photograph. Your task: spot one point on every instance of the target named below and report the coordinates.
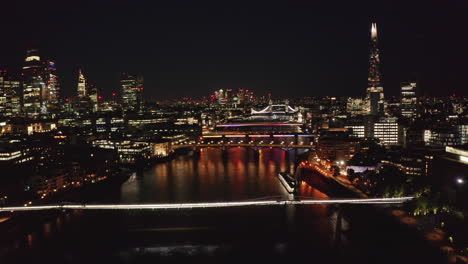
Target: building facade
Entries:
(10, 103)
(388, 131)
(409, 102)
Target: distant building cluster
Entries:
(36, 93)
(230, 96)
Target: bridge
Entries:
(252, 144)
(167, 206)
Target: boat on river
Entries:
(287, 181)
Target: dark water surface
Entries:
(264, 234)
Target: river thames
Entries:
(314, 233)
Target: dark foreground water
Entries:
(315, 234)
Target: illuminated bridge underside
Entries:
(205, 205)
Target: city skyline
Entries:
(173, 132)
(294, 52)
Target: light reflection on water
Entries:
(212, 174)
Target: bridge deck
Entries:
(204, 145)
(398, 200)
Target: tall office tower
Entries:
(408, 99)
(81, 89)
(132, 91)
(93, 96)
(229, 95)
(248, 95)
(241, 95)
(87, 96)
(52, 91)
(10, 104)
(34, 86)
(375, 94)
(220, 96)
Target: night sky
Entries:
(192, 48)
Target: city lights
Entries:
(244, 133)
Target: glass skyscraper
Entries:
(408, 99)
(40, 85)
(34, 85)
(51, 96)
(132, 90)
(375, 94)
(10, 104)
(87, 96)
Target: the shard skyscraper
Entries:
(375, 94)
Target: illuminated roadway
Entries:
(166, 206)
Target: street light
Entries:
(460, 181)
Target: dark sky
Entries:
(192, 48)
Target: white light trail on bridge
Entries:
(204, 205)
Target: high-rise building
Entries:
(81, 89)
(87, 96)
(10, 104)
(52, 92)
(220, 96)
(241, 96)
(132, 92)
(34, 85)
(375, 94)
(229, 95)
(93, 96)
(408, 104)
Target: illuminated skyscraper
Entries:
(375, 94)
(408, 99)
(52, 91)
(132, 91)
(81, 89)
(9, 91)
(241, 95)
(34, 86)
(93, 96)
(87, 97)
(40, 85)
